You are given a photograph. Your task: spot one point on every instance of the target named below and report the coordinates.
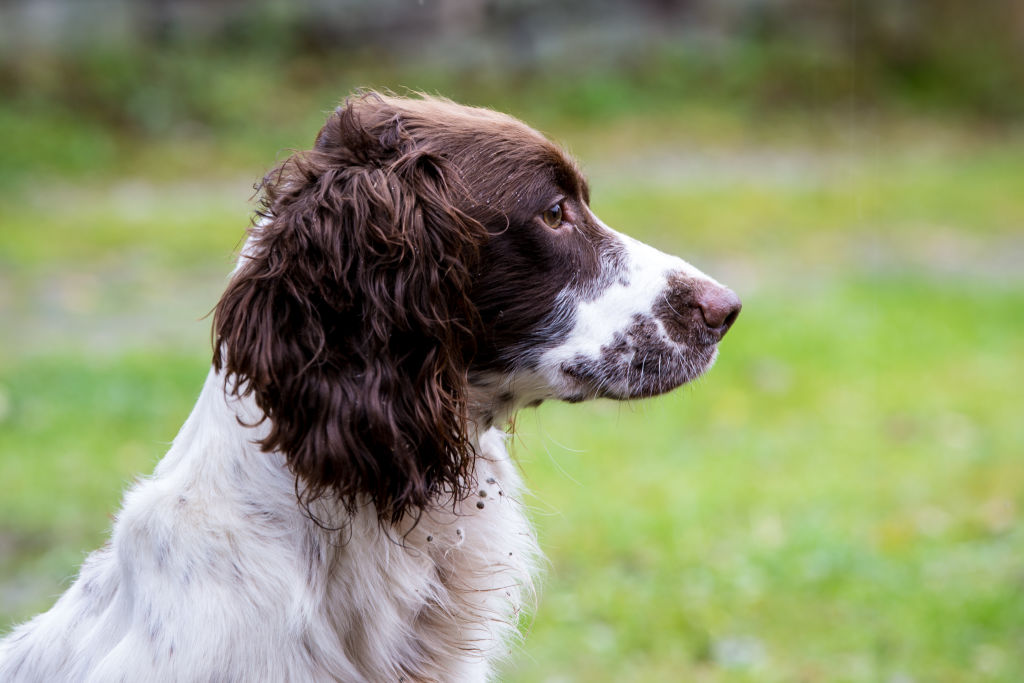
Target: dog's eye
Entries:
(553, 217)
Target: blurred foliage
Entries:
(840, 499)
(268, 71)
(844, 486)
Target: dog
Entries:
(340, 504)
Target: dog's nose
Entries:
(719, 306)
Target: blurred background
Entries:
(840, 499)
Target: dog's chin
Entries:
(645, 375)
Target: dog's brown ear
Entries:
(348, 320)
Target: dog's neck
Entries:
(218, 447)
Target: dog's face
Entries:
(426, 268)
(571, 309)
(574, 310)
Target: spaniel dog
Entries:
(340, 505)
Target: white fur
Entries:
(214, 573)
(642, 281)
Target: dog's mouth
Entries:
(639, 363)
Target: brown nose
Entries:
(719, 306)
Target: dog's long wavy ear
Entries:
(348, 319)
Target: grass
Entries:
(813, 502)
(838, 500)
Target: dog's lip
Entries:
(691, 362)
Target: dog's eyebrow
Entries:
(568, 176)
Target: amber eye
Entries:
(553, 217)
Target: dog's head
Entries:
(425, 268)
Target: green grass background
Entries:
(839, 499)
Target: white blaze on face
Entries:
(622, 318)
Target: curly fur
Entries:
(350, 321)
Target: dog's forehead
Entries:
(514, 159)
(494, 150)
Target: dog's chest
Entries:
(449, 590)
